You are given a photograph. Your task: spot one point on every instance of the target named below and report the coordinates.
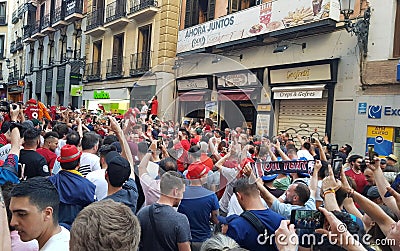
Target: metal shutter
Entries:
(298, 113)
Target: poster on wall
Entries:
(211, 110)
(76, 90)
(382, 139)
(263, 122)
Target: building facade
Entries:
(128, 42)
(54, 50)
(276, 66)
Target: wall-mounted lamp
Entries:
(177, 65)
(216, 59)
(280, 48)
(359, 27)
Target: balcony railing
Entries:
(137, 6)
(114, 67)
(140, 63)
(74, 6)
(46, 21)
(59, 14)
(93, 71)
(18, 44)
(12, 47)
(115, 10)
(95, 19)
(13, 77)
(27, 31)
(38, 27)
(3, 20)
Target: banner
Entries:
(257, 20)
(382, 139)
(272, 167)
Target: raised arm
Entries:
(15, 134)
(281, 153)
(322, 155)
(126, 151)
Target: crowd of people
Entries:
(88, 180)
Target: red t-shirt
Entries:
(206, 161)
(48, 155)
(154, 107)
(360, 180)
(32, 112)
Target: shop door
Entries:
(303, 117)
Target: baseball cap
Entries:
(269, 177)
(118, 169)
(196, 171)
(69, 153)
(392, 157)
(373, 192)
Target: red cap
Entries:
(194, 141)
(246, 161)
(196, 171)
(32, 101)
(69, 153)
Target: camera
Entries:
(5, 106)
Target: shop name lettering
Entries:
(295, 75)
(389, 111)
(101, 95)
(285, 167)
(303, 94)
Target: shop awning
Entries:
(298, 91)
(192, 96)
(234, 95)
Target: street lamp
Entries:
(359, 27)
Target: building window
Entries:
(237, 5)
(2, 38)
(396, 44)
(199, 11)
(3, 9)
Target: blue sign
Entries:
(398, 72)
(362, 108)
(375, 111)
(379, 139)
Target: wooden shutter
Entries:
(396, 44)
(189, 13)
(211, 10)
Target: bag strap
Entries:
(254, 221)
(154, 227)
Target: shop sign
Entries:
(301, 74)
(237, 79)
(260, 19)
(192, 84)
(75, 78)
(76, 90)
(362, 108)
(376, 111)
(211, 110)
(298, 94)
(263, 122)
(101, 95)
(382, 139)
(21, 83)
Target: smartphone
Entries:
(337, 167)
(312, 141)
(159, 141)
(371, 150)
(334, 148)
(307, 219)
(395, 185)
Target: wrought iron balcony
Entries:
(3, 20)
(115, 10)
(137, 5)
(140, 63)
(13, 49)
(95, 19)
(18, 44)
(27, 33)
(13, 77)
(93, 71)
(46, 21)
(114, 68)
(73, 10)
(59, 16)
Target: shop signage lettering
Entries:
(101, 95)
(213, 25)
(298, 75)
(389, 111)
(375, 111)
(271, 167)
(297, 94)
(379, 130)
(191, 84)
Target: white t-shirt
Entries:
(305, 154)
(61, 143)
(59, 242)
(98, 178)
(143, 112)
(89, 163)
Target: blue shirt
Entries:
(246, 235)
(197, 204)
(9, 170)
